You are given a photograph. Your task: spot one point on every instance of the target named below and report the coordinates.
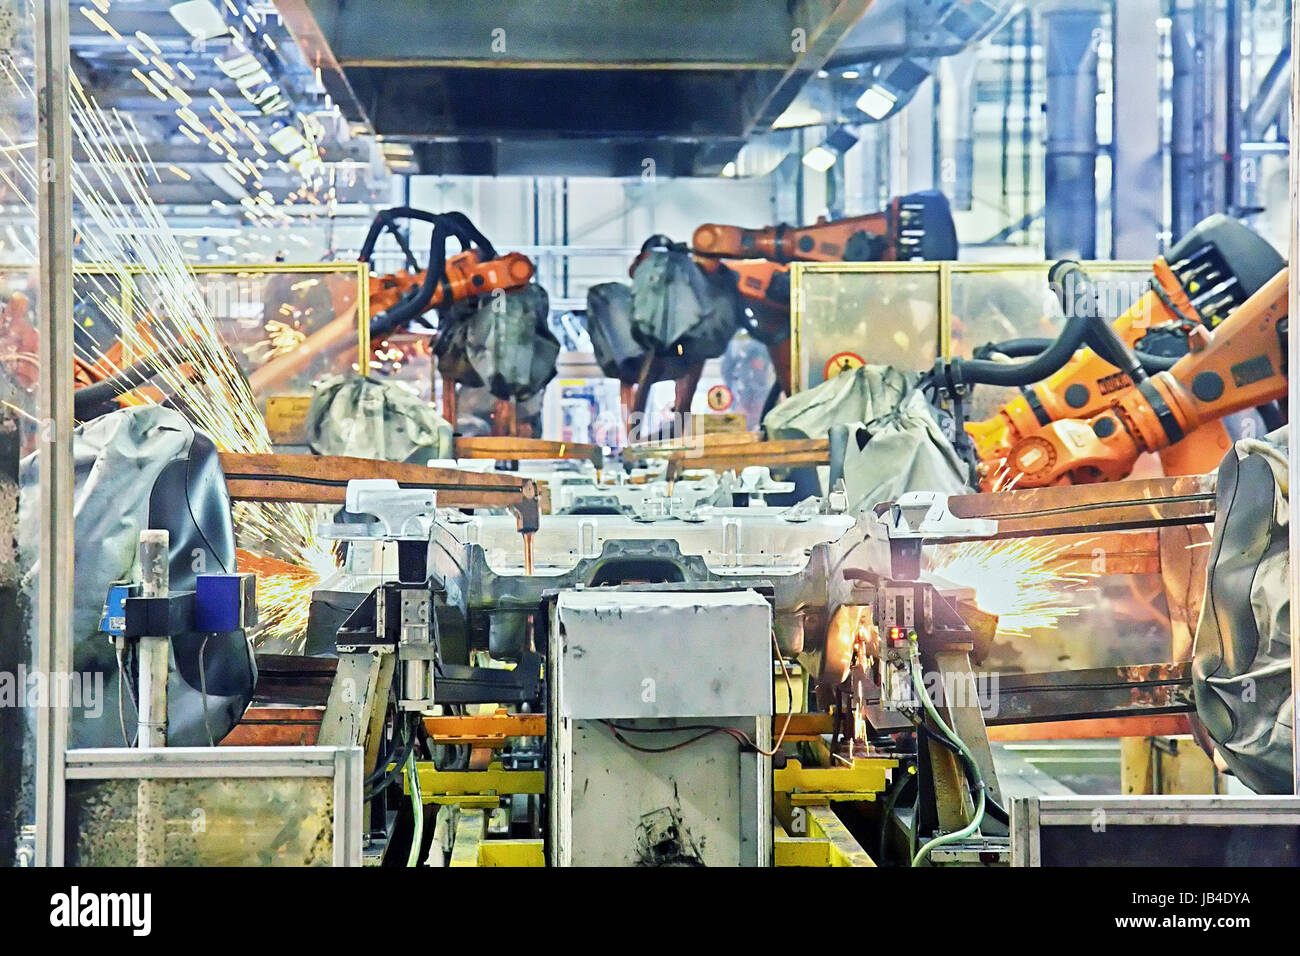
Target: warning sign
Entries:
(720, 398)
(842, 362)
(286, 418)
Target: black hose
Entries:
(1102, 338)
(1049, 360)
(388, 218)
(773, 397)
(90, 397)
(1014, 348)
(891, 801)
(446, 225)
(1156, 363)
(469, 235)
(415, 304)
(1273, 415)
(1028, 347)
(991, 806)
(1086, 325)
(382, 777)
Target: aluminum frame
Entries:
(1030, 814)
(341, 764)
(53, 608)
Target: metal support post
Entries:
(53, 611)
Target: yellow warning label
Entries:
(286, 418)
(842, 362)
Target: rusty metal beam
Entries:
(1096, 728)
(1128, 690)
(276, 727)
(323, 479)
(1145, 503)
(509, 448)
(787, 453)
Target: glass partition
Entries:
(845, 314)
(231, 806)
(286, 325)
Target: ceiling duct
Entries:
(591, 88)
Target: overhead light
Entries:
(242, 67)
(287, 140)
(823, 157)
(850, 75)
(199, 18)
(894, 86)
(819, 158)
(877, 102)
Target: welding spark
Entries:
(123, 232)
(1027, 583)
(281, 339)
(283, 592)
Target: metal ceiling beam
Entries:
(594, 34)
(518, 104)
(824, 24)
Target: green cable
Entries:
(978, 818)
(417, 808)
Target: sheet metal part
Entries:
(477, 562)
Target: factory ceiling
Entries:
(486, 88)
(237, 123)
(269, 112)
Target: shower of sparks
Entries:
(123, 232)
(1005, 478)
(284, 591)
(281, 339)
(1025, 582)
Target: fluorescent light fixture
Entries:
(823, 157)
(799, 114)
(199, 18)
(240, 67)
(877, 102)
(819, 158)
(287, 140)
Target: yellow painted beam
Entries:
(477, 787)
(801, 851)
(470, 830)
(511, 853)
(807, 785)
(844, 850)
(827, 841)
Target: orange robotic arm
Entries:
(466, 274)
(399, 297)
(1241, 365)
(918, 226)
(1084, 386)
(1206, 275)
(860, 239)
